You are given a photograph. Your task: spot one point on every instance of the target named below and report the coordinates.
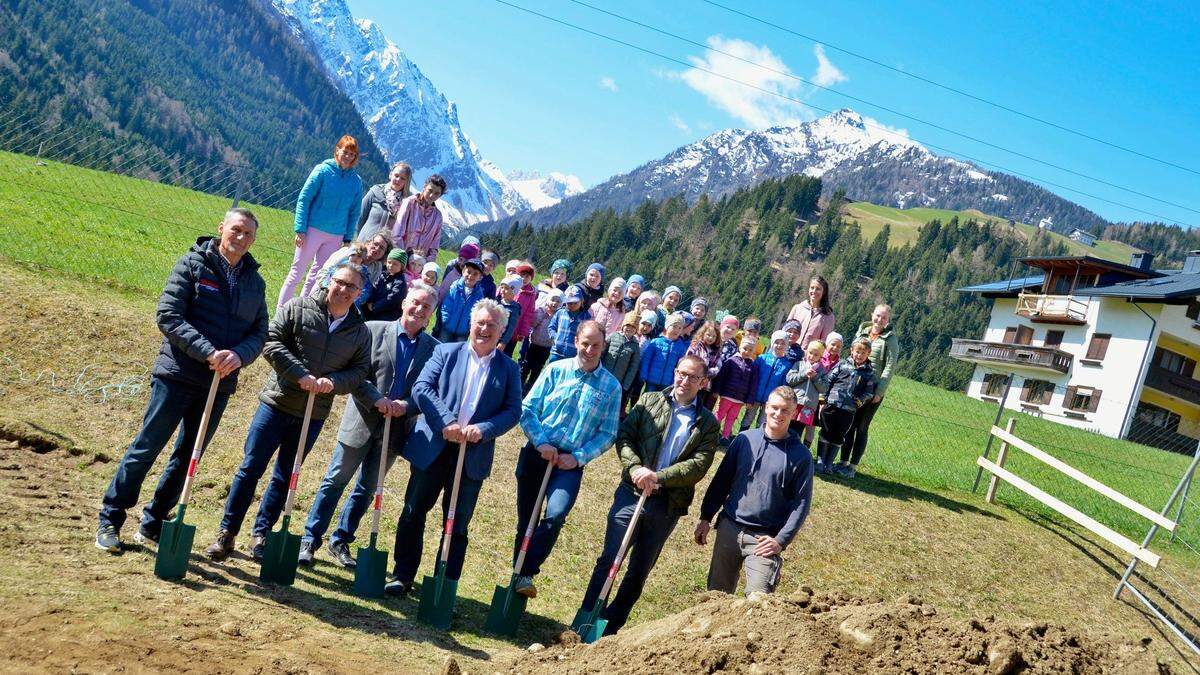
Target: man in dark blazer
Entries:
(468, 392)
(399, 350)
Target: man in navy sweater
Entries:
(763, 490)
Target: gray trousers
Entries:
(732, 551)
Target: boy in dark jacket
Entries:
(735, 384)
(851, 384)
(508, 300)
(387, 295)
(213, 316)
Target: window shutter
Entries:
(1010, 335)
(1098, 346)
(1054, 338)
(1025, 389)
(1193, 309)
(1069, 398)
(1024, 335)
(1047, 392)
(1095, 401)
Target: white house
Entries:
(1083, 237)
(1095, 344)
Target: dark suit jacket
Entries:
(439, 392)
(361, 420)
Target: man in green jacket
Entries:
(666, 443)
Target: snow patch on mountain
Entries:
(410, 119)
(542, 191)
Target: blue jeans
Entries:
(345, 461)
(653, 529)
(270, 430)
(422, 492)
(173, 405)
(560, 497)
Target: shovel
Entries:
(175, 542)
(371, 569)
(508, 607)
(588, 623)
(282, 550)
(437, 592)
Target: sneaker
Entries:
(821, 467)
(147, 536)
(341, 555)
(524, 586)
(850, 471)
(258, 547)
(397, 588)
(222, 547)
(844, 471)
(306, 553)
(107, 539)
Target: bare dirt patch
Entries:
(807, 632)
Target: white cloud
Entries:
(827, 74)
(758, 107)
(608, 83)
(678, 123)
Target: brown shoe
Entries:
(258, 546)
(222, 547)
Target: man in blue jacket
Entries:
(468, 392)
(213, 316)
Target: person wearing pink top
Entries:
(527, 299)
(814, 314)
(418, 226)
(609, 311)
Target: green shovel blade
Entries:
(437, 600)
(174, 548)
(508, 607)
(370, 571)
(588, 624)
(280, 556)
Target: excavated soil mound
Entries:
(807, 632)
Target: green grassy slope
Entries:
(906, 223)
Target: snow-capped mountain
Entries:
(542, 191)
(870, 162)
(410, 120)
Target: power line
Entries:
(672, 59)
(884, 108)
(955, 90)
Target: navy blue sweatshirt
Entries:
(764, 485)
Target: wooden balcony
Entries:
(1045, 359)
(1052, 308)
(1180, 386)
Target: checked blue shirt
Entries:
(573, 410)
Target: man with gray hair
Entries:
(469, 392)
(213, 317)
(399, 350)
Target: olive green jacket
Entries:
(884, 351)
(640, 437)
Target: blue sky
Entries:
(536, 95)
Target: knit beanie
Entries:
(730, 320)
(616, 283)
(672, 289)
(432, 267)
(399, 254)
(649, 316)
(675, 318)
(699, 302)
(560, 264)
(470, 239)
(468, 251)
(779, 335)
(598, 267)
(636, 279)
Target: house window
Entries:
(1155, 416)
(1176, 363)
(1054, 338)
(993, 384)
(1037, 392)
(1024, 335)
(1082, 399)
(1098, 346)
(1010, 335)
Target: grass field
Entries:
(906, 224)
(74, 355)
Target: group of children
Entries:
(647, 333)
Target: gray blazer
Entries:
(361, 421)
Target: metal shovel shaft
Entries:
(445, 554)
(616, 566)
(201, 434)
(379, 476)
(533, 519)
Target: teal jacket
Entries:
(330, 201)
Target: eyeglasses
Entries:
(688, 377)
(345, 284)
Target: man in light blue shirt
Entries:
(570, 417)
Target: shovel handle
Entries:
(377, 507)
(303, 443)
(201, 436)
(449, 532)
(620, 558)
(533, 519)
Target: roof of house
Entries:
(1006, 286)
(1086, 261)
(1170, 287)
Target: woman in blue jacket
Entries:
(327, 213)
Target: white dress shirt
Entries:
(477, 372)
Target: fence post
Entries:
(988, 449)
(1001, 456)
(237, 187)
(1182, 501)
